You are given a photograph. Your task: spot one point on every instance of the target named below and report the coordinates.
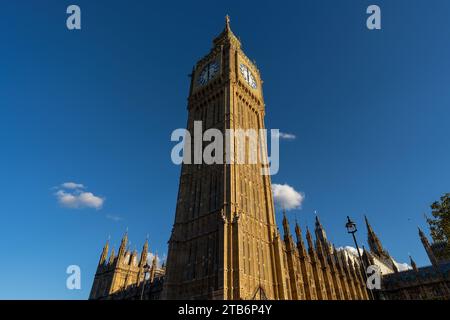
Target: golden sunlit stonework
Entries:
(225, 243)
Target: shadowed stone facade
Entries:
(426, 283)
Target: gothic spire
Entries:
(413, 264)
(309, 239)
(428, 249)
(320, 233)
(144, 253)
(123, 244)
(112, 256)
(367, 257)
(286, 227)
(318, 224)
(227, 23)
(374, 242)
(227, 36)
(394, 265)
(298, 232)
(311, 250)
(321, 253)
(104, 254)
(300, 244)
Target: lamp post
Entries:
(351, 228)
(146, 271)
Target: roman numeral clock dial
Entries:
(248, 76)
(208, 73)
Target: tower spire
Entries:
(311, 250)
(300, 244)
(227, 36)
(144, 253)
(309, 238)
(104, 254)
(321, 234)
(112, 256)
(428, 249)
(298, 232)
(413, 264)
(123, 244)
(286, 228)
(374, 242)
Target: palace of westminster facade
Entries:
(225, 243)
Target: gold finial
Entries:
(227, 21)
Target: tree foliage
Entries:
(440, 220)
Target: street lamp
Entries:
(146, 272)
(351, 228)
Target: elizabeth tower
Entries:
(225, 242)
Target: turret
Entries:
(104, 254)
(123, 245)
(300, 244)
(428, 249)
(287, 233)
(367, 257)
(111, 257)
(320, 233)
(286, 228)
(144, 254)
(153, 268)
(321, 253)
(310, 242)
(133, 260)
(374, 242)
(413, 264)
(394, 265)
(311, 250)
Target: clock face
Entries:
(208, 72)
(248, 76)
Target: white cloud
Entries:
(159, 260)
(351, 250)
(75, 198)
(286, 197)
(402, 266)
(286, 136)
(72, 185)
(354, 253)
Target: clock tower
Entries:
(225, 243)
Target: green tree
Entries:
(440, 220)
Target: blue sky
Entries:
(369, 109)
